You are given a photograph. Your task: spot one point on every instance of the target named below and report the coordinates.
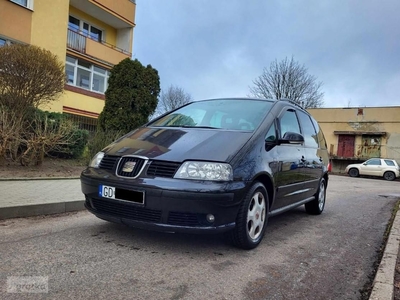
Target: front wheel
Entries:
(252, 218)
(389, 176)
(354, 172)
(316, 206)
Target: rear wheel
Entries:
(252, 218)
(354, 172)
(316, 206)
(389, 176)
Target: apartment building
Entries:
(355, 134)
(90, 36)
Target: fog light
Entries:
(210, 218)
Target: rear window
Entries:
(389, 163)
(232, 114)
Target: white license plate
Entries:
(107, 191)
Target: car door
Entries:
(287, 163)
(313, 157)
(371, 167)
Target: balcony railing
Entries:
(76, 41)
(79, 42)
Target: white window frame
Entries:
(76, 66)
(82, 21)
(29, 4)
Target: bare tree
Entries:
(288, 79)
(29, 76)
(11, 126)
(172, 98)
(41, 136)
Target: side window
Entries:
(389, 162)
(373, 162)
(271, 134)
(288, 122)
(308, 130)
(320, 135)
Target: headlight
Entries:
(200, 170)
(96, 160)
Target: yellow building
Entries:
(90, 36)
(356, 134)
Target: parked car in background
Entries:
(380, 167)
(211, 166)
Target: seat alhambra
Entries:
(212, 166)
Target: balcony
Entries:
(94, 49)
(119, 14)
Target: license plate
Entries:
(111, 192)
(107, 191)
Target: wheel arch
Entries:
(326, 177)
(267, 181)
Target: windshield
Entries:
(232, 114)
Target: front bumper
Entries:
(171, 205)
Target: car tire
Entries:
(252, 218)
(316, 206)
(354, 172)
(389, 176)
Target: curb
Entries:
(383, 286)
(37, 178)
(40, 209)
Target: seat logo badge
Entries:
(129, 166)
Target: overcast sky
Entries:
(216, 48)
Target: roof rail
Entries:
(291, 101)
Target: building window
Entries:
(5, 42)
(85, 29)
(86, 123)
(25, 3)
(83, 74)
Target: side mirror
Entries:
(292, 138)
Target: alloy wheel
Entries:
(389, 176)
(256, 215)
(321, 196)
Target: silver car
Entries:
(380, 167)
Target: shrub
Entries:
(78, 139)
(131, 96)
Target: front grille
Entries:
(163, 168)
(126, 210)
(136, 167)
(186, 219)
(109, 162)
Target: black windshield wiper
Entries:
(188, 126)
(207, 127)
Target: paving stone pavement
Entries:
(23, 198)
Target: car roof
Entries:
(282, 101)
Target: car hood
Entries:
(180, 144)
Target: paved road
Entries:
(302, 257)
